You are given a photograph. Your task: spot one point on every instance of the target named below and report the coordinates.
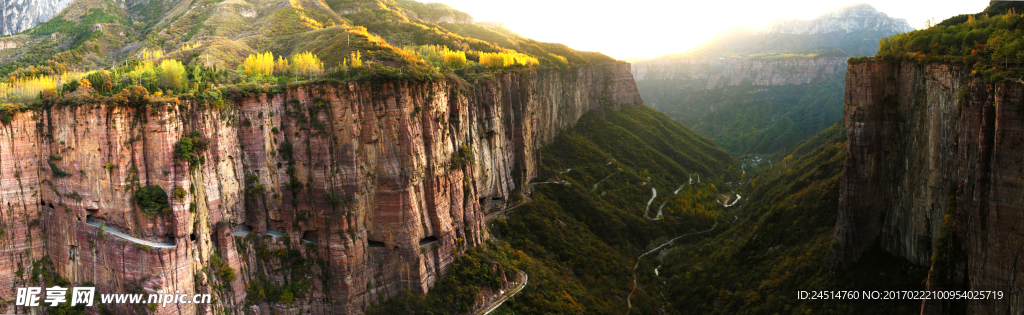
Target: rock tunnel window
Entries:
(372, 243)
(192, 237)
(90, 215)
(310, 236)
(241, 230)
(428, 240)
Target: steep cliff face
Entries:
(343, 195)
(20, 15)
(927, 144)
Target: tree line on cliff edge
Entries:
(990, 43)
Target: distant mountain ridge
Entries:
(854, 29)
(759, 91)
(855, 18)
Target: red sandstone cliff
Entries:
(367, 198)
(920, 147)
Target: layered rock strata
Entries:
(928, 145)
(343, 194)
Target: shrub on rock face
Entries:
(190, 148)
(180, 193)
(152, 200)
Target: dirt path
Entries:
(628, 302)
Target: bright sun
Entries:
(651, 28)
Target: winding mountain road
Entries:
(504, 297)
(630, 303)
(128, 237)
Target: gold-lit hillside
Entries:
(350, 40)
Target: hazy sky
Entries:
(651, 28)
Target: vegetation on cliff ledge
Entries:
(190, 148)
(991, 42)
(200, 53)
(152, 200)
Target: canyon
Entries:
(342, 193)
(934, 170)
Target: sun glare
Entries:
(651, 28)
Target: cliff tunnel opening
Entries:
(192, 237)
(275, 227)
(427, 240)
(243, 229)
(372, 243)
(310, 236)
(90, 215)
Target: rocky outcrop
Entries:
(855, 18)
(928, 145)
(339, 195)
(20, 15)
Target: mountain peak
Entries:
(19, 15)
(849, 19)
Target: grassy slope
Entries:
(578, 243)
(224, 32)
(781, 247)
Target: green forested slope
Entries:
(781, 247)
(756, 119)
(578, 241)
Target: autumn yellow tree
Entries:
(307, 64)
(356, 59)
(259, 64)
(454, 59)
(174, 76)
(152, 54)
(282, 65)
(506, 59)
(26, 89)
